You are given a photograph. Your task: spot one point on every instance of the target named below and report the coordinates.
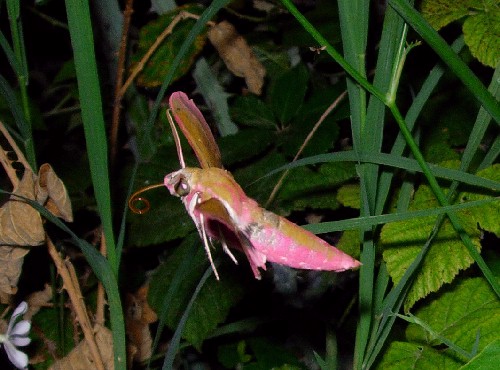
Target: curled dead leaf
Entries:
(138, 317)
(80, 358)
(237, 55)
(51, 193)
(21, 224)
(20, 227)
(37, 300)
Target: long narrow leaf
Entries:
(92, 115)
(395, 162)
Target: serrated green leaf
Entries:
(459, 314)
(261, 189)
(488, 358)
(251, 111)
(270, 355)
(403, 355)
(306, 188)
(159, 63)
(481, 27)
(300, 128)
(167, 218)
(348, 196)
(49, 322)
(288, 93)
(439, 13)
(244, 145)
(350, 243)
(482, 36)
(402, 241)
(213, 302)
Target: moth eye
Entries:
(182, 187)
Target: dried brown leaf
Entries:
(138, 317)
(237, 55)
(21, 224)
(37, 300)
(20, 227)
(10, 270)
(80, 358)
(51, 193)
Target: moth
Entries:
(222, 211)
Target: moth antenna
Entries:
(135, 198)
(207, 247)
(177, 140)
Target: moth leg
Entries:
(200, 224)
(226, 250)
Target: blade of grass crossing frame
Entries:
(411, 116)
(176, 338)
(16, 28)
(80, 27)
(95, 134)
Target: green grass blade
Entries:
(393, 161)
(92, 115)
(17, 34)
(9, 53)
(176, 338)
(369, 221)
(411, 116)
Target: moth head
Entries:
(177, 183)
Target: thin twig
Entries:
(120, 71)
(101, 296)
(71, 285)
(140, 66)
(304, 144)
(6, 162)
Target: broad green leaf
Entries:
(288, 93)
(322, 140)
(403, 356)
(482, 36)
(214, 300)
(467, 309)
(440, 13)
(349, 243)
(249, 177)
(313, 188)
(244, 145)
(325, 15)
(52, 324)
(402, 241)
(481, 27)
(157, 66)
(167, 218)
(269, 355)
(251, 111)
(488, 358)
(348, 195)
